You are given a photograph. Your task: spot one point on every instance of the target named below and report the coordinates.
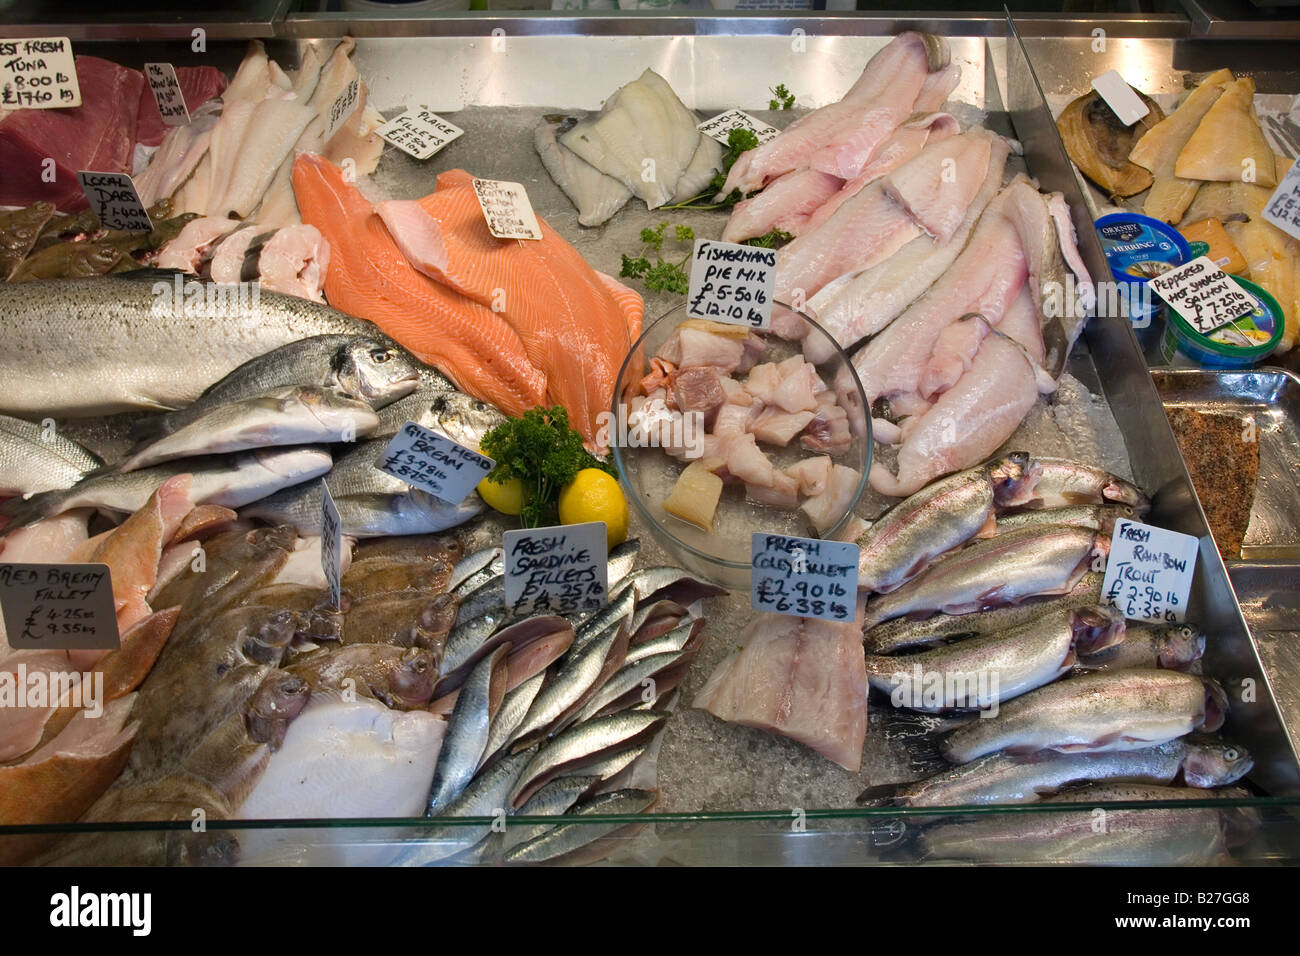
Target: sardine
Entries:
(983, 671)
(1094, 517)
(465, 645)
(1094, 713)
(298, 415)
(1001, 778)
(567, 838)
(626, 680)
(1175, 648)
(467, 732)
(365, 368)
(1062, 483)
(126, 343)
(936, 519)
(480, 566)
(583, 744)
(618, 612)
(551, 800)
(1184, 836)
(904, 634)
(231, 481)
(997, 571)
(34, 458)
(513, 709)
(673, 641)
(609, 767)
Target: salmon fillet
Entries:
(573, 323)
(370, 278)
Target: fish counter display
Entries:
(187, 450)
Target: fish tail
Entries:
(19, 512)
(880, 795)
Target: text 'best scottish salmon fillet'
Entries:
(571, 324)
(370, 278)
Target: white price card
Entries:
(1149, 571)
(1203, 294)
(507, 210)
(1283, 209)
(114, 201)
(331, 544)
(58, 606)
(805, 577)
(1120, 97)
(167, 93)
(731, 283)
(342, 108)
(419, 132)
(720, 127)
(38, 73)
(557, 570)
(424, 458)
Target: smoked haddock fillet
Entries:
(572, 325)
(370, 278)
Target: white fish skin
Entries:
(182, 149)
(700, 170)
(596, 196)
(278, 208)
(642, 121)
(861, 303)
(273, 130)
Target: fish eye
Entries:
(1230, 754)
(379, 356)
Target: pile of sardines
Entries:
(1024, 685)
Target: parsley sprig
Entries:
(662, 276)
(784, 98)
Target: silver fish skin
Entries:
(1094, 517)
(616, 613)
(996, 571)
(659, 608)
(35, 459)
(368, 368)
(125, 347)
(298, 415)
(567, 838)
(475, 570)
(625, 680)
(936, 519)
(231, 481)
(551, 800)
(585, 743)
(465, 644)
(1175, 648)
(671, 642)
(485, 796)
(1062, 483)
(460, 417)
(1093, 713)
(364, 515)
(467, 734)
(1188, 836)
(608, 767)
(903, 634)
(983, 671)
(1000, 778)
(513, 709)
(577, 672)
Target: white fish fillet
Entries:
(279, 207)
(644, 137)
(968, 422)
(787, 204)
(273, 130)
(227, 263)
(294, 261)
(701, 169)
(939, 203)
(801, 677)
(596, 196)
(182, 149)
(862, 303)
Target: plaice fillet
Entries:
(1228, 141)
(800, 677)
(370, 278)
(570, 324)
(863, 302)
(901, 66)
(596, 195)
(643, 137)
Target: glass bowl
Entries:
(648, 474)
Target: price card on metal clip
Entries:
(1149, 571)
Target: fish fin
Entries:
(21, 512)
(147, 430)
(155, 274)
(880, 795)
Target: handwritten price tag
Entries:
(167, 93)
(428, 460)
(1149, 572)
(507, 210)
(720, 127)
(331, 544)
(59, 606)
(804, 577)
(38, 74)
(1203, 294)
(1283, 209)
(419, 132)
(732, 283)
(342, 108)
(560, 569)
(114, 201)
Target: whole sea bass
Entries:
(80, 347)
